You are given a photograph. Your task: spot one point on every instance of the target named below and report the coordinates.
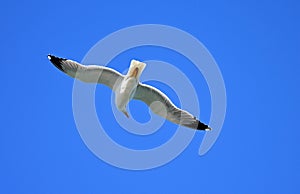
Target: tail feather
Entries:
(136, 65)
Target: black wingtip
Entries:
(56, 61)
(202, 126)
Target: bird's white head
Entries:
(136, 68)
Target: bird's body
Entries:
(125, 93)
(126, 90)
(128, 87)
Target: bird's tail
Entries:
(136, 68)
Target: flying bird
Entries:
(128, 87)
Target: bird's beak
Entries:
(126, 114)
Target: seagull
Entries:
(128, 87)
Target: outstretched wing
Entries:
(161, 105)
(90, 74)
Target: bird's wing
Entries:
(160, 104)
(90, 74)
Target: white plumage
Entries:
(127, 87)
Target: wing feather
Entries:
(160, 104)
(89, 74)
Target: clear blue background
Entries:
(256, 45)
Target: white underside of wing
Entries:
(160, 104)
(89, 74)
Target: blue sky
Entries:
(256, 45)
